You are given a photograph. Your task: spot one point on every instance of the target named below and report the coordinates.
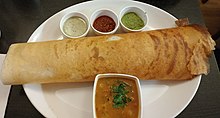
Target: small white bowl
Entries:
(141, 13)
(104, 12)
(74, 14)
(140, 115)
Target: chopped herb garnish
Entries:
(120, 91)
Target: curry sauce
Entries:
(116, 98)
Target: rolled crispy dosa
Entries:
(168, 54)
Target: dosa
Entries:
(178, 53)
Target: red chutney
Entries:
(104, 24)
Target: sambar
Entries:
(116, 97)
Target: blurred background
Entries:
(211, 14)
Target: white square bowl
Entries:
(140, 114)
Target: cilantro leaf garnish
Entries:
(120, 91)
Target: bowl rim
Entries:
(127, 76)
(115, 20)
(72, 14)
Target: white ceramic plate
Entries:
(162, 99)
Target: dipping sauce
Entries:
(104, 24)
(116, 98)
(75, 26)
(132, 21)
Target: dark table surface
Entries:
(20, 18)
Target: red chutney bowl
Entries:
(104, 21)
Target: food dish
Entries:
(80, 60)
(108, 91)
(131, 14)
(77, 21)
(67, 100)
(111, 24)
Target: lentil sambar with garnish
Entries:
(116, 97)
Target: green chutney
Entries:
(132, 21)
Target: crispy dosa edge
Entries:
(199, 62)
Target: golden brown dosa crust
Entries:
(168, 54)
